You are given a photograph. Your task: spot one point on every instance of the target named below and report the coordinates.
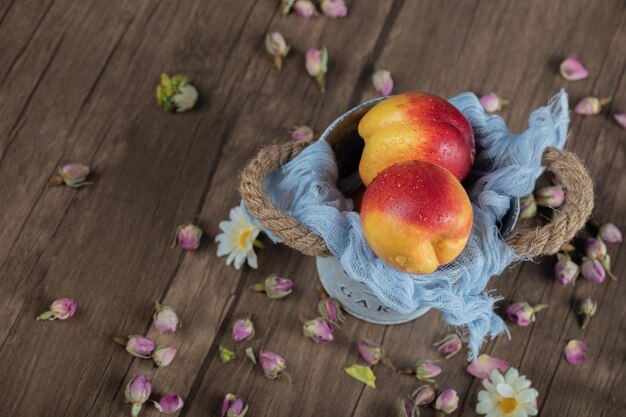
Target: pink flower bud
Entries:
(305, 8)
(482, 367)
(169, 404)
(301, 133)
(575, 352)
(595, 248)
(233, 407)
(61, 309)
(318, 330)
(140, 346)
(552, 196)
(316, 63)
(188, 236)
(593, 270)
(163, 356)
(492, 102)
(243, 329)
(271, 363)
(137, 393)
(610, 233)
(620, 118)
(407, 409)
(528, 207)
(334, 8)
(573, 70)
(449, 345)
(423, 396)
(371, 352)
(274, 287)
(426, 371)
(330, 309)
(590, 106)
(565, 270)
(587, 309)
(75, 174)
(165, 319)
(276, 46)
(382, 81)
(447, 401)
(523, 314)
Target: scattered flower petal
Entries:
(382, 81)
(233, 407)
(137, 392)
(250, 354)
(272, 364)
(305, 9)
(590, 106)
(447, 401)
(274, 286)
(276, 46)
(423, 396)
(334, 8)
(61, 309)
(169, 404)
(522, 313)
(507, 395)
(163, 356)
(492, 102)
(593, 270)
(318, 330)
(226, 355)
(243, 329)
(362, 373)
(449, 345)
(238, 239)
(553, 196)
(573, 70)
(426, 371)
(575, 352)
(565, 270)
(482, 367)
(165, 319)
(175, 93)
(620, 118)
(316, 63)
(610, 233)
(528, 207)
(299, 133)
(188, 236)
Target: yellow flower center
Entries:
(508, 405)
(243, 238)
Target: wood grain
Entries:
(77, 82)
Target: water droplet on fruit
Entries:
(401, 259)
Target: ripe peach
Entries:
(415, 126)
(416, 216)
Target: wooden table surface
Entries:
(77, 83)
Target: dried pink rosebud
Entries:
(334, 8)
(595, 248)
(426, 371)
(620, 118)
(408, 409)
(447, 401)
(610, 233)
(565, 270)
(137, 392)
(382, 81)
(492, 102)
(423, 396)
(305, 8)
(552, 196)
(276, 45)
(274, 287)
(243, 329)
(522, 313)
(165, 319)
(575, 352)
(188, 236)
(528, 207)
(163, 356)
(482, 367)
(330, 309)
(371, 352)
(587, 309)
(138, 346)
(61, 309)
(73, 175)
(272, 364)
(299, 133)
(573, 70)
(316, 63)
(233, 407)
(318, 330)
(169, 404)
(590, 106)
(593, 270)
(449, 345)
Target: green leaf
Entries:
(362, 373)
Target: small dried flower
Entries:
(188, 236)
(305, 8)
(165, 318)
(318, 330)
(243, 329)
(274, 287)
(382, 81)
(565, 270)
(163, 356)
(286, 6)
(595, 248)
(138, 346)
(449, 345)
(423, 396)
(137, 392)
(169, 404)
(492, 102)
(610, 233)
(587, 309)
(575, 352)
(593, 270)
(316, 63)
(426, 371)
(528, 207)
(272, 364)
(299, 133)
(330, 309)
(447, 401)
(74, 175)
(226, 355)
(552, 196)
(371, 352)
(407, 409)
(277, 47)
(522, 313)
(620, 118)
(233, 407)
(250, 355)
(334, 8)
(590, 106)
(362, 373)
(175, 93)
(61, 309)
(482, 367)
(573, 70)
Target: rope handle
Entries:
(568, 220)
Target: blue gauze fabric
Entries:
(506, 165)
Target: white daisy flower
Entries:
(186, 98)
(238, 239)
(507, 396)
